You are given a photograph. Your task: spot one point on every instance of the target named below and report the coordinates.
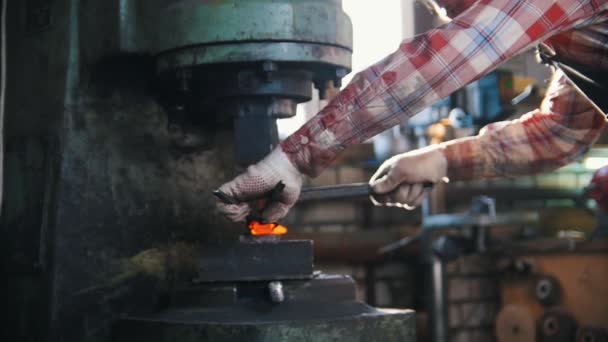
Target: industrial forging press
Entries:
(122, 115)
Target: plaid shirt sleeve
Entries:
(429, 67)
(560, 131)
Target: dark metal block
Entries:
(255, 261)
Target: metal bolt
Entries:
(551, 326)
(341, 72)
(547, 290)
(275, 289)
(269, 68)
(543, 288)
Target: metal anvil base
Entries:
(320, 309)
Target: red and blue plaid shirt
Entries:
(431, 66)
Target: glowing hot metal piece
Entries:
(259, 229)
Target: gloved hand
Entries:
(260, 179)
(399, 182)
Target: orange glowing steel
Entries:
(258, 228)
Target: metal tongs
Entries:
(343, 191)
(258, 226)
(331, 192)
(260, 203)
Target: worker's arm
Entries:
(557, 133)
(429, 67)
(423, 70)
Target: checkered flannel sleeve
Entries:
(428, 68)
(560, 131)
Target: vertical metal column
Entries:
(437, 298)
(438, 312)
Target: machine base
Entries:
(380, 326)
(324, 308)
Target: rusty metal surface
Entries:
(393, 327)
(378, 326)
(514, 323)
(109, 205)
(320, 309)
(580, 269)
(97, 190)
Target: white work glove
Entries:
(399, 182)
(259, 180)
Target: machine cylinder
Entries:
(250, 61)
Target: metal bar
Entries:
(406, 241)
(438, 309)
(444, 221)
(335, 192)
(342, 191)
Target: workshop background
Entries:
(515, 242)
(108, 216)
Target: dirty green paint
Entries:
(104, 212)
(257, 52)
(165, 25)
